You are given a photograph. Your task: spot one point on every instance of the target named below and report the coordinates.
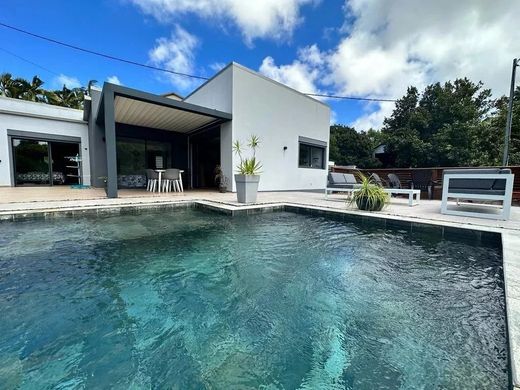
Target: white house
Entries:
(123, 131)
(31, 134)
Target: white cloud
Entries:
(376, 113)
(68, 81)
(404, 42)
(114, 80)
(297, 75)
(255, 19)
(302, 74)
(177, 54)
(333, 117)
(217, 66)
(390, 45)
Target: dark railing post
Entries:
(507, 135)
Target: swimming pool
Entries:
(191, 299)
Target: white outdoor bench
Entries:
(493, 184)
(406, 191)
(339, 189)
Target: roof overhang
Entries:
(138, 108)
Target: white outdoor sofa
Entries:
(485, 184)
(346, 182)
(341, 182)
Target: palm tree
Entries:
(19, 88)
(10, 87)
(32, 91)
(72, 98)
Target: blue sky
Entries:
(363, 48)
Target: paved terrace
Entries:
(23, 200)
(33, 201)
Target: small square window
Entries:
(311, 156)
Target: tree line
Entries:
(32, 90)
(452, 124)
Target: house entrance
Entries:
(205, 156)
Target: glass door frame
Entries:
(49, 158)
(43, 138)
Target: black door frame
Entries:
(194, 179)
(45, 137)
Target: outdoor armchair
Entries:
(422, 180)
(394, 180)
(478, 185)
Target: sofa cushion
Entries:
(131, 181)
(350, 178)
(472, 184)
(337, 178)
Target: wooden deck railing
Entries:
(405, 176)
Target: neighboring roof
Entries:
(144, 109)
(231, 64)
(172, 95)
(380, 149)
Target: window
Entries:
(311, 156)
(135, 155)
(131, 156)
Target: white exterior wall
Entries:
(217, 94)
(40, 118)
(279, 116)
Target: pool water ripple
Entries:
(194, 300)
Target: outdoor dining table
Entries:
(160, 172)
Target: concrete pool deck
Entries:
(51, 202)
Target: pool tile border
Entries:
(509, 239)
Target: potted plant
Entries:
(104, 179)
(370, 196)
(248, 175)
(220, 179)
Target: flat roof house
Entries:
(123, 131)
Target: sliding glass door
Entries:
(41, 162)
(31, 162)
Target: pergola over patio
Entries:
(118, 104)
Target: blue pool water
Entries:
(195, 300)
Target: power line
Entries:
(28, 61)
(100, 54)
(351, 97)
(108, 56)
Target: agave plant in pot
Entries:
(370, 196)
(248, 171)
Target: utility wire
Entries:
(108, 56)
(100, 54)
(28, 61)
(350, 97)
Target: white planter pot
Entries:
(247, 188)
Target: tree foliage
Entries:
(349, 147)
(19, 88)
(451, 124)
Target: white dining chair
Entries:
(172, 180)
(152, 180)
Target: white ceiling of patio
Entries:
(139, 113)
